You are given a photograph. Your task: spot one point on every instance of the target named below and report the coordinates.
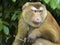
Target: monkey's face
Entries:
(34, 14)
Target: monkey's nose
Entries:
(37, 21)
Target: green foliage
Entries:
(0, 14)
(14, 17)
(58, 6)
(6, 30)
(47, 1)
(1, 25)
(14, 0)
(10, 11)
(53, 3)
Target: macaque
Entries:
(36, 21)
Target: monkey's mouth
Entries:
(36, 22)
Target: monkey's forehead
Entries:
(35, 4)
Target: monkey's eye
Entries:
(35, 11)
(40, 10)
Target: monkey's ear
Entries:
(24, 6)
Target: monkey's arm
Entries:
(22, 31)
(33, 35)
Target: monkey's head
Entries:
(34, 13)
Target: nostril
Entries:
(37, 19)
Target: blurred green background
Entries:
(10, 11)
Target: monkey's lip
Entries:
(36, 23)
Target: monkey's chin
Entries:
(35, 25)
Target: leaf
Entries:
(1, 25)
(53, 4)
(14, 17)
(13, 0)
(47, 1)
(0, 14)
(58, 6)
(6, 23)
(6, 30)
(0, 8)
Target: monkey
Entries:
(36, 21)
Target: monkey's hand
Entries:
(33, 35)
